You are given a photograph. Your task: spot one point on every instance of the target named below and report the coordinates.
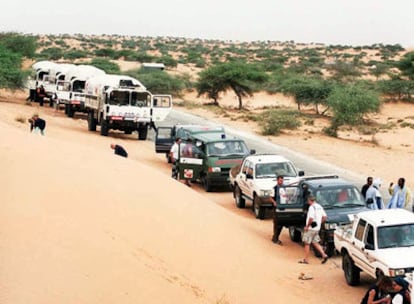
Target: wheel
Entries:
(91, 122)
(240, 201)
(71, 112)
(51, 102)
(206, 184)
(351, 272)
(329, 249)
(259, 211)
(128, 132)
(142, 133)
(104, 128)
(294, 234)
(66, 109)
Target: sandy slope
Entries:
(81, 225)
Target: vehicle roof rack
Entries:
(318, 177)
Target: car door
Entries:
(163, 139)
(190, 166)
(245, 178)
(161, 107)
(364, 234)
(291, 211)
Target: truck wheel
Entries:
(259, 211)
(104, 128)
(128, 132)
(142, 133)
(51, 102)
(240, 201)
(351, 272)
(66, 109)
(71, 112)
(91, 122)
(294, 234)
(329, 249)
(206, 184)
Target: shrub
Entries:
(274, 122)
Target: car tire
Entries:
(351, 272)
(294, 234)
(238, 197)
(206, 184)
(258, 210)
(104, 128)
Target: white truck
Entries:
(378, 242)
(71, 91)
(120, 102)
(39, 76)
(255, 179)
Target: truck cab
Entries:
(339, 198)
(378, 242)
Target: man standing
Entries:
(366, 186)
(314, 219)
(278, 198)
(400, 195)
(40, 94)
(118, 150)
(174, 154)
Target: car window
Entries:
(359, 233)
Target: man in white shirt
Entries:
(174, 157)
(314, 219)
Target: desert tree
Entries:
(238, 76)
(406, 65)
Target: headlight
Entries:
(215, 169)
(265, 193)
(330, 226)
(396, 272)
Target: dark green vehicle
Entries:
(212, 159)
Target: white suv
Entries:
(255, 179)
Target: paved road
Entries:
(310, 165)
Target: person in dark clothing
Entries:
(365, 187)
(40, 95)
(400, 293)
(118, 150)
(378, 293)
(37, 124)
(279, 197)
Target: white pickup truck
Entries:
(378, 242)
(255, 179)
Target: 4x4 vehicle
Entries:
(255, 179)
(165, 136)
(212, 158)
(378, 242)
(340, 199)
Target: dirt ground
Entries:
(81, 225)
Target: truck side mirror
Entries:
(301, 173)
(252, 151)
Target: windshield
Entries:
(119, 98)
(227, 148)
(339, 197)
(396, 236)
(267, 170)
(140, 99)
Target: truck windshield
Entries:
(274, 169)
(140, 99)
(226, 148)
(119, 98)
(339, 197)
(396, 236)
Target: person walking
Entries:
(378, 293)
(279, 197)
(40, 95)
(174, 155)
(373, 197)
(365, 187)
(315, 217)
(400, 195)
(119, 150)
(37, 124)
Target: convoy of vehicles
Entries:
(378, 242)
(369, 241)
(339, 198)
(122, 103)
(255, 179)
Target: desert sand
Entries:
(82, 225)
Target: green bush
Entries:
(274, 121)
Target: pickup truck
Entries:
(255, 179)
(378, 242)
